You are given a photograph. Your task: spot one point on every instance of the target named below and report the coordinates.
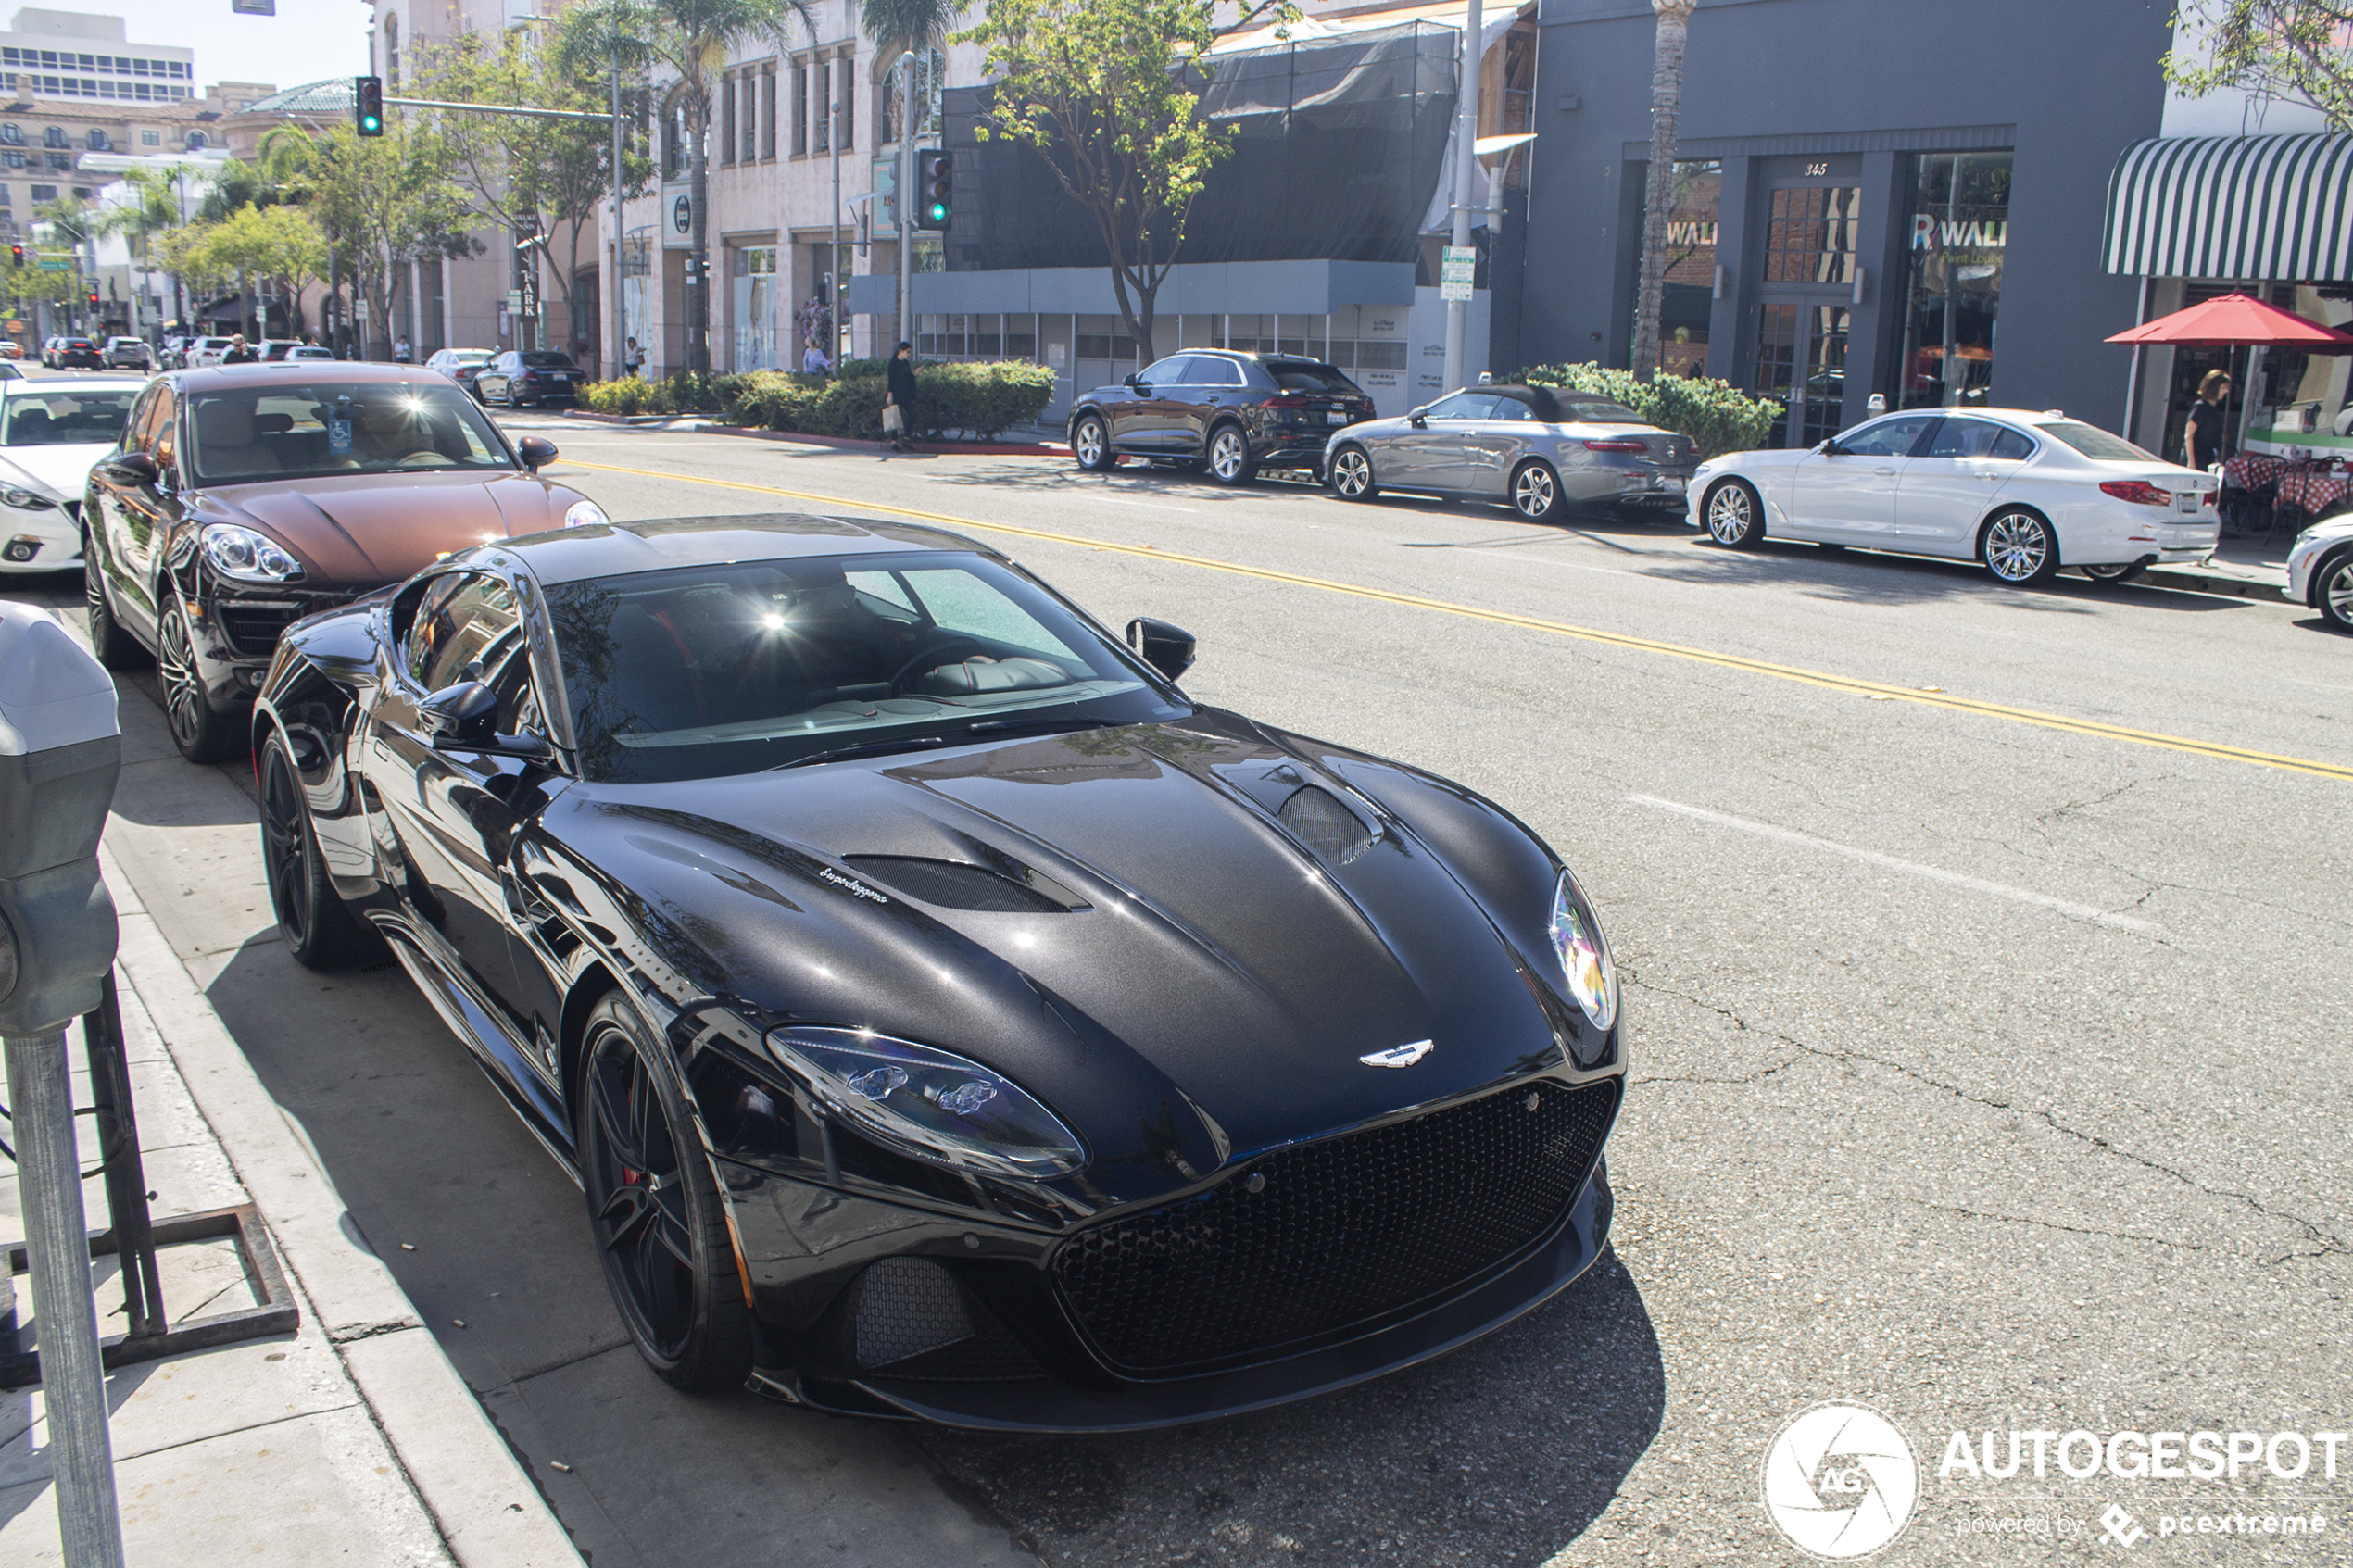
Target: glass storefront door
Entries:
(1801, 364)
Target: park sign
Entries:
(1458, 269)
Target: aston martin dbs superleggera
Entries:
(945, 1016)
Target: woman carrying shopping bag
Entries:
(899, 400)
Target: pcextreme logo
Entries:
(1840, 1481)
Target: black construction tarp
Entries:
(1339, 145)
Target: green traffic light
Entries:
(938, 211)
(371, 123)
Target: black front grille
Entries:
(253, 629)
(1339, 1232)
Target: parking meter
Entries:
(59, 752)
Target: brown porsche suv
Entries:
(244, 498)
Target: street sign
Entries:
(55, 264)
(514, 302)
(1458, 267)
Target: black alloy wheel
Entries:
(1091, 443)
(1735, 514)
(2019, 549)
(115, 649)
(202, 732)
(1536, 492)
(2332, 591)
(655, 1211)
(1352, 476)
(2110, 576)
(1229, 458)
(320, 931)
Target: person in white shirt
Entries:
(814, 363)
(400, 351)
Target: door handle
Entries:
(1882, 470)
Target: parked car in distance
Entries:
(129, 354)
(532, 376)
(946, 1016)
(242, 500)
(204, 352)
(10, 348)
(50, 433)
(461, 365)
(1231, 414)
(307, 351)
(2026, 493)
(2319, 569)
(1542, 451)
(174, 355)
(49, 351)
(78, 354)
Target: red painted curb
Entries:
(944, 448)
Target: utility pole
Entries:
(619, 350)
(833, 261)
(903, 200)
(1465, 171)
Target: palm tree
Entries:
(695, 38)
(920, 27)
(1659, 196)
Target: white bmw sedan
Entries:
(2025, 493)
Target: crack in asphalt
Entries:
(1967, 1212)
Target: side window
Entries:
(1964, 438)
(163, 434)
(1175, 370)
(1463, 405)
(459, 619)
(2010, 444)
(1889, 438)
(139, 434)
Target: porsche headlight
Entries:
(929, 1103)
(585, 514)
(1584, 955)
(244, 555)
(27, 500)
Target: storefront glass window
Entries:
(1810, 236)
(1957, 232)
(1691, 267)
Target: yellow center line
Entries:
(1557, 628)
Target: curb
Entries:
(488, 1510)
(2202, 583)
(704, 425)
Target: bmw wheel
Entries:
(1091, 443)
(201, 732)
(2110, 576)
(655, 1210)
(1229, 458)
(1735, 514)
(1536, 492)
(116, 648)
(320, 931)
(2019, 549)
(1351, 478)
(2333, 592)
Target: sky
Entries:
(307, 41)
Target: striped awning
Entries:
(2232, 207)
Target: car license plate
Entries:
(2188, 501)
(1335, 416)
(1669, 483)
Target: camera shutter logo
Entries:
(1841, 1481)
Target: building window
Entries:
(847, 74)
(768, 114)
(392, 52)
(11, 158)
(3, 195)
(1691, 267)
(82, 192)
(1958, 231)
(727, 119)
(150, 138)
(750, 139)
(800, 107)
(54, 136)
(11, 136)
(97, 140)
(57, 161)
(1810, 236)
(825, 119)
(39, 193)
(196, 141)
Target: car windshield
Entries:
(547, 359)
(2093, 442)
(1314, 378)
(65, 419)
(352, 427)
(704, 671)
(469, 357)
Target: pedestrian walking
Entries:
(634, 359)
(899, 399)
(813, 361)
(401, 352)
(2206, 421)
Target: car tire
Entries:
(668, 1257)
(1091, 443)
(2332, 590)
(2019, 547)
(2111, 575)
(320, 929)
(115, 649)
(1351, 478)
(202, 732)
(1735, 514)
(1228, 455)
(1536, 492)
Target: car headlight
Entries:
(928, 1103)
(1584, 954)
(27, 500)
(245, 557)
(585, 514)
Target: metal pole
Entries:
(833, 261)
(620, 314)
(1465, 171)
(73, 1381)
(903, 207)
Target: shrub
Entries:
(1718, 416)
(981, 399)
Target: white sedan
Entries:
(2025, 493)
(2320, 569)
(50, 433)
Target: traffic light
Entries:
(17, 253)
(93, 299)
(367, 105)
(935, 190)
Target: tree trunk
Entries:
(1666, 102)
(697, 191)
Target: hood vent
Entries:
(1327, 827)
(958, 885)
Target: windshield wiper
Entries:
(1015, 726)
(865, 748)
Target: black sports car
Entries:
(945, 1016)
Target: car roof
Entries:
(618, 549)
(28, 387)
(279, 373)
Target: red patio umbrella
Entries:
(2238, 321)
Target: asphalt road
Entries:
(1985, 955)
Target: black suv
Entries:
(1232, 414)
(79, 353)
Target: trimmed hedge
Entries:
(1718, 416)
(979, 400)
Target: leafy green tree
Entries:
(182, 252)
(282, 246)
(386, 201)
(2299, 50)
(1097, 89)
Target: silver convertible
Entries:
(1541, 450)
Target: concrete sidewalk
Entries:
(352, 1440)
(2244, 567)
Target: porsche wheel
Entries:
(1536, 492)
(116, 648)
(1091, 443)
(320, 931)
(1351, 478)
(1229, 458)
(655, 1211)
(2019, 549)
(1735, 514)
(202, 732)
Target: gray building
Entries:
(1893, 198)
